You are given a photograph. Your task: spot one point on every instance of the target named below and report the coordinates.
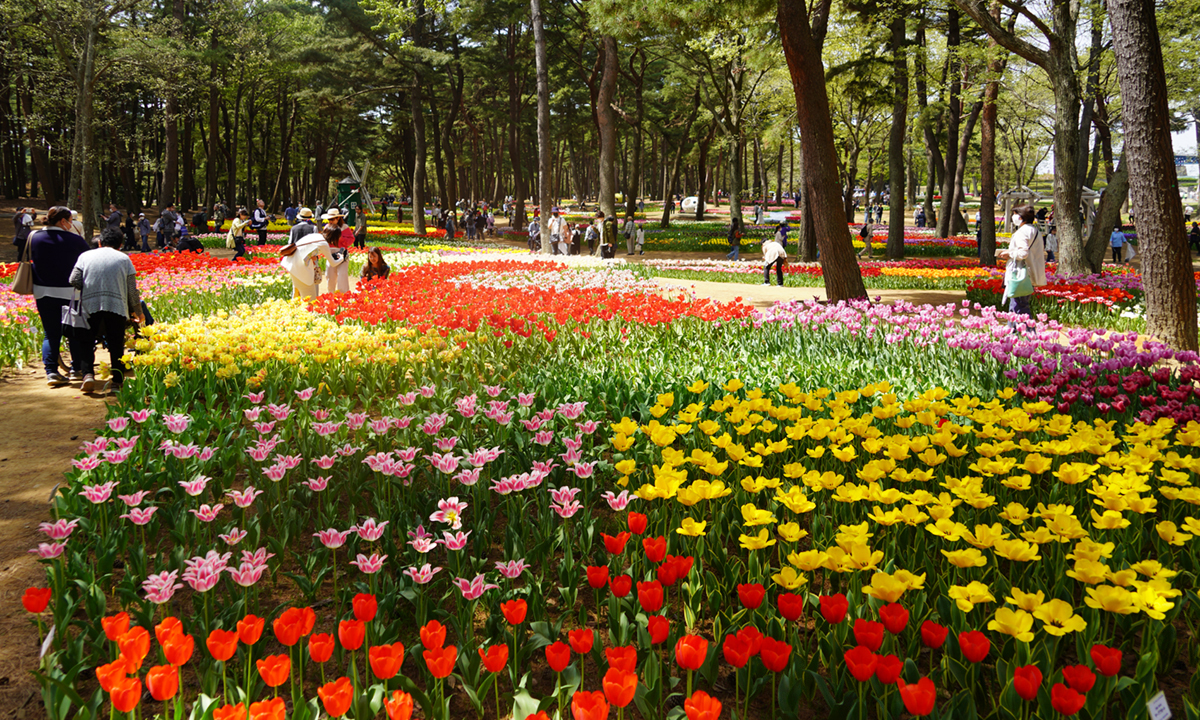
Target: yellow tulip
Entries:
(1111, 599)
(1016, 623)
(756, 542)
(626, 467)
(625, 427)
(965, 558)
(692, 528)
(1017, 550)
(697, 387)
(1026, 601)
(1170, 533)
(808, 560)
(788, 578)
(970, 595)
(753, 516)
(885, 587)
(1059, 618)
(1089, 571)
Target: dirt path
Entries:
(43, 429)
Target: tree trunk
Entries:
(953, 117)
(543, 123)
(896, 204)
(702, 172)
(1166, 260)
(958, 225)
(843, 280)
(418, 129)
(806, 233)
(1093, 88)
(987, 157)
(514, 128)
(1108, 215)
(37, 150)
(606, 121)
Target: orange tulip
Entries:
(115, 625)
(337, 696)
(495, 658)
(165, 629)
(320, 647)
(309, 617)
(274, 670)
(514, 611)
(386, 660)
(134, 645)
(222, 644)
(109, 675)
(433, 635)
(365, 607)
(126, 693)
(249, 629)
(230, 712)
(400, 706)
(163, 682)
(620, 686)
(691, 651)
(589, 706)
(268, 710)
(702, 706)
(35, 600)
(351, 633)
(440, 661)
(179, 648)
(581, 640)
(289, 626)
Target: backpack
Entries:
(863, 233)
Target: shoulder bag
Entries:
(1017, 282)
(23, 280)
(72, 313)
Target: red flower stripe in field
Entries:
(427, 297)
(1082, 293)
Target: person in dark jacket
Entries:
(53, 251)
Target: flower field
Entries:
(495, 485)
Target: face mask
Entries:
(1016, 219)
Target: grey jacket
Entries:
(300, 229)
(108, 282)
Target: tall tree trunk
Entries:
(987, 154)
(899, 130)
(514, 128)
(958, 225)
(543, 123)
(702, 172)
(1108, 215)
(418, 128)
(802, 48)
(953, 117)
(606, 121)
(1166, 260)
(214, 138)
(806, 234)
(1093, 87)
(37, 148)
(934, 163)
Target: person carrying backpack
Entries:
(735, 239)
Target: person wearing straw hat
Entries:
(302, 264)
(304, 225)
(339, 275)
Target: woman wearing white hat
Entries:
(339, 276)
(302, 264)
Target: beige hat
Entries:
(305, 213)
(333, 213)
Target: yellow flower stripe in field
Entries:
(936, 273)
(281, 330)
(961, 497)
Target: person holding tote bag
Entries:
(53, 251)
(1026, 268)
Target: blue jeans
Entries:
(145, 243)
(735, 253)
(50, 311)
(239, 244)
(1021, 305)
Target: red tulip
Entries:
(691, 652)
(702, 706)
(974, 645)
(1107, 660)
(1079, 677)
(589, 706)
(650, 595)
(919, 698)
(125, 694)
(365, 607)
(861, 663)
(274, 669)
(115, 625)
(308, 620)
(495, 658)
(559, 656)
(751, 595)
(320, 647)
(888, 669)
(35, 600)
(615, 545)
(736, 651)
(222, 644)
(655, 547)
(289, 627)
(168, 627)
(440, 661)
(619, 686)
(868, 633)
(775, 654)
(179, 648)
(163, 682)
(1027, 681)
(623, 658)
(894, 617)
(514, 611)
(250, 629)
(667, 573)
(108, 675)
(581, 640)
(597, 576)
(659, 628)
(272, 709)
(400, 706)
(834, 608)
(1065, 700)
(433, 634)
(232, 712)
(790, 606)
(637, 526)
(134, 645)
(752, 637)
(620, 585)
(351, 633)
(336, 696)
(933, 635)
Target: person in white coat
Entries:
(773, 255)
(1026, 246)
(303, 264)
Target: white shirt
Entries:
(772, 251)
(1026, 244)
(556, 226)
(310, 246)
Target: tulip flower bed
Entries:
(941, 273)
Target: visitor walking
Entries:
(360, 228)
(259, 221)
(289, 214)
(304, 226)
(236, 239)
(113, 220)
(1117, 242)
(591, 235)
(303, 264)
(735, 239)
(773, 256)
(167, 219)
(22, 227)
(1194, 237)
(558, 233)
(143, 227)
(866, 234)
(53, 251)
(608, 236)
(639, 240)
(1026, 250)
(1051, 244)
(450, 228)
(628, 231)
(376, 268)
(109, 298)
(535, 235)
(339, 274)
(218, 217)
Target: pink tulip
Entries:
(116, 457)
(468, 477)
(206, 454)
(571, 456)
(159, 588)
(369, 565)
(563, 495)
(140, 416)
(449, 511)
(97, 494)
(233, 537)
(118, 424)
(279, 412)
(316, 484)
(545, 437)
(446, 444)
(203, 573)
(275, 472)
(567, 511)
(467, 406)
(434, 423)
(49, 551)
(319, 415)
(255, 398)
(59, 529)
(355, 420)
(263, 428)
(379, 427)
(305, 394)
(483, 456)
(207, 513)
(572, 411)
(87, 464)
(378, 461)
(325, 462)
(420, 532)
(473, 589)
(427, 391)
(291, 462)
(532, 424)
(422, 545)
(369, 530)
(618, 502)
(244, 498)
(575, 443)
(95, 447)
(583, 470)
(525, 399)
(184, 452)
(194, 487)
(447, 463)
(127, 443)
(546, 415)
(408, 454)
(333, 539)
(135, 499)
(407, 398)
(502, 418)
(457, 541)
(347, 450)
(424, 575)
(588, 427)
(493, 390)
(258, 454)
(252, 413)
(513, 568)
(246, 574)
(176, 423)
(140, 516)
(325, 429)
